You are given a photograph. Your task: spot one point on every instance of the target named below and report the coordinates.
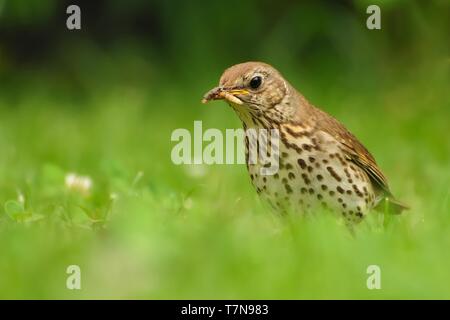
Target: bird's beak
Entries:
(220, 93)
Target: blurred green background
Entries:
(102, 102)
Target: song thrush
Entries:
(320, 162)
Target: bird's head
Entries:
(253, 89)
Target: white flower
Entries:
(82, 184)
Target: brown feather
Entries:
(355, 150)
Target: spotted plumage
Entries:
(321, 164)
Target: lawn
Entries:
(86, 176)
(150, 229)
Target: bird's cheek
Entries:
(274, 99)
(247, 99)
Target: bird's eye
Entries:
(255, 83)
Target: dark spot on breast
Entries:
(339, 189)
(331, 193)
(340, 159)
(288, 166)
(264, 179)
(305, 178)
(303, 190)
(319, 196)
(312, 159)
(288, 188)
(284, 154)
(307, 147)
(291, 145)
(319, 177)
(334, 174)
(269, 164)
(340, 200)
(310, 169)
(324, 187)
(358, 193)
(291, 175)
(302, 163)
(325, 161)
(311, 191)
(276, 175)
(347, 173)
(284, 180)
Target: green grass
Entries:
(150, 229)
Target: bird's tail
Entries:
(391, 205)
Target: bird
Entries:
(321, 163)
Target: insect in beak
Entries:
(220, 93)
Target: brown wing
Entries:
(354, 150)
(360, 156)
